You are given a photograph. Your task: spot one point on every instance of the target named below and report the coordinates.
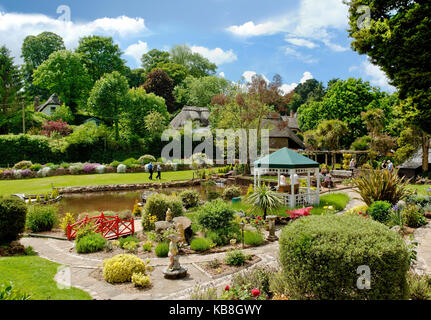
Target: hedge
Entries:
(13, 213)
(320, 256)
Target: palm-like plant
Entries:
(381, 185)
(265, 199)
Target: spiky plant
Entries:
(381, 185)
(265, 199)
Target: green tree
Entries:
(199, 91)
(64, 74)
(265, 199)
(397, 38)
(159, 83)
(135, 77)
(197, 65)
(10, 85)
(35, 50)
(139, 105)
(154, 57)
(175, 71)
(108, 98)
(100, 55)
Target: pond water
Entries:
(115, 201)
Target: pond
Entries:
(116, 201)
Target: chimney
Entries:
(36, 103)
(292, 114)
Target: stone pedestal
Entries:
(271, 222)
(174, 270)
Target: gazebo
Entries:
(288, 162)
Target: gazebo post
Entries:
(292, 189)
(254, 174)
(317, 174)
(308, 185)
(278, 179)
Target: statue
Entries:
(169, 215)
(180, 230)
(174, 270)
(271, 222)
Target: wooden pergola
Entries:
(289, 162)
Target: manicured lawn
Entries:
(422, 189)
(42, 185)
(35, 276)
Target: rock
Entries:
(401, 203)
(162, 226)
(187, 225)
(396, 229)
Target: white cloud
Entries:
(136, 50)
(217, 55)
(301, 42)
(14, 27)
(306, 76)
(376, 76)
(303, 57)
(287, 88)
(221, 74)
(313, 20)
(248, 76)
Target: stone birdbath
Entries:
(174, 270)
(271, 222)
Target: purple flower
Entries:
(26, 173)
(89, 167)
(395, 208)
(8, 173)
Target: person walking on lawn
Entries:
(150, 169)
(159, 172)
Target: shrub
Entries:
(162, 249)
(140, 280)
(115, 164)
(213, 194)
(235, 258)
(413, 216)
(320, 256)
(148, 222)
(419, 286)
(124, 241)
(59, 127)
(90, 167)
(12, 218)
(258, 278)
(120, 268)
(121, 168)
(65, 221)
(44, 172)
(92, 242)
(23, 165)
(231, 192)
(190, 198)
(41, 218)
(76, 168)
(200, 244)
(215, 215)
(253, 238)
(148, 246)
(158, 204)
(9, 292)
(146, 159)
(26, 173)
(380, 211)
(381, 185)
(100, 169)
(131, 163)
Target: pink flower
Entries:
(255, 293)
(227, 288)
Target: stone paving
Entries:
(82, 267)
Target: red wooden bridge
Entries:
(109, 227)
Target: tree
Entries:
(265, 199)
(159, 83)
(108, 98)
(199, 91)
(10, 85)
(303, 91)
(397, 38)
(100, 55)
(135, 77)
(151, 59)
(35, 50)
(139, 105)
(175, 71)
(64, 74)
(197, 65)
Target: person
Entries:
(352, 164)
(150, 169)
(390, 166)
(283, 180)
(159, 172)
(384, 165)
(327, 183)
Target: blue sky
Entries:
(298, 39)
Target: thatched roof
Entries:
(415, 160)
(53, 100)
(193, 114)
(280, 129)
(292, 122)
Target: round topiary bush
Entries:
(190, 198)
(12, 218)
(380, 211)
(216, 215)
(162, 249)
(23, 165)
(320, 256)
(120, 268)
(158, 204)
(253, 238)
(146, 159)
(121, 168)
(200, 244)
(92, 242)
(42, 218)
(231, 192)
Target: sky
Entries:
(298, 39)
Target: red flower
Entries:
(259, 218)
(257, 222)
(227, 288)
(255, 293)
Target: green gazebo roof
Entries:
(285, 159)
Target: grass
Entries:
(42, 185)
(35, 276)
(338, 200)
(421, 188)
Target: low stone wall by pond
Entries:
(130, 187)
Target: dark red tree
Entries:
(159, 83)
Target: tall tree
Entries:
(100, 55)
(302, 92)
(64, 74)
(10, 84)
(154, 57)
(35, 50)
(197, 65)
(108, 98)
(159, 83)
(397, 38)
